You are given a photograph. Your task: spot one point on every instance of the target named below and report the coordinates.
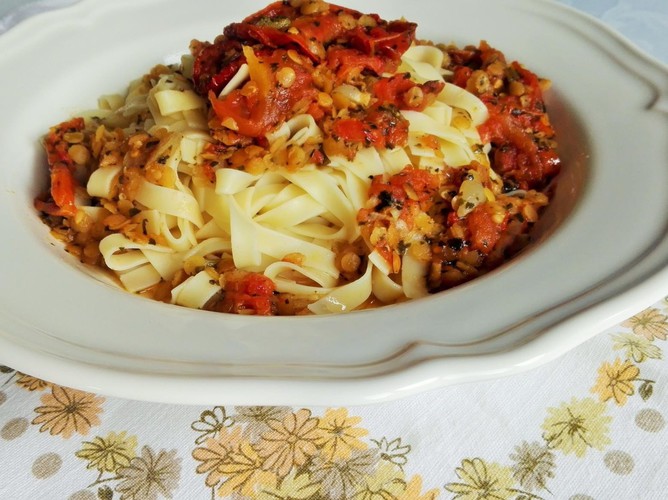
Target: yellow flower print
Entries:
(31, 383)
(289, 443)
(216, 453)
(413, 491)
(387, 483)
(66, 411)
(576, 426)
(244, 474)
(109, 453)
(339, 434)
(636, 347)
(650, 323)
(615, 381)
(293, 487)
(482, 481)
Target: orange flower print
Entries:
(31, 383)
(289, 443)
(650, 323)
(66, 411)
(217, 453)
(615, 381)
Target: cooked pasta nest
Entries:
(373, 183)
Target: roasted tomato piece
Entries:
(268, 37)
(61, 168)
(215, 65)
(485, 233)
(516, 154)
(404, 93)
(268, 98)
(381, 127)
(390, 40)
(247, 292)
(345, 62)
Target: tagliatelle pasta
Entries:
(311, 160)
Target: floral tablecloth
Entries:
(589, 425)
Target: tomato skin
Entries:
(318, 157)
(61, 167)
(250, 291)
(516, 155)
(344, 61)
(389, 40)
(518, 126)
(215, 65)
(421, 183)
(258, 284)
(390, 90)
(316, 36)
(461, 76)
(350, 129)
(62, 189)
(256, 113)
(268, 37)
(56, 146)
(452, 218)
(325, 30)
(393, 91)
(321, 28)
(485, 233)
(389, 129)
(381, 127)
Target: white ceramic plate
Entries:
(603, 254)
